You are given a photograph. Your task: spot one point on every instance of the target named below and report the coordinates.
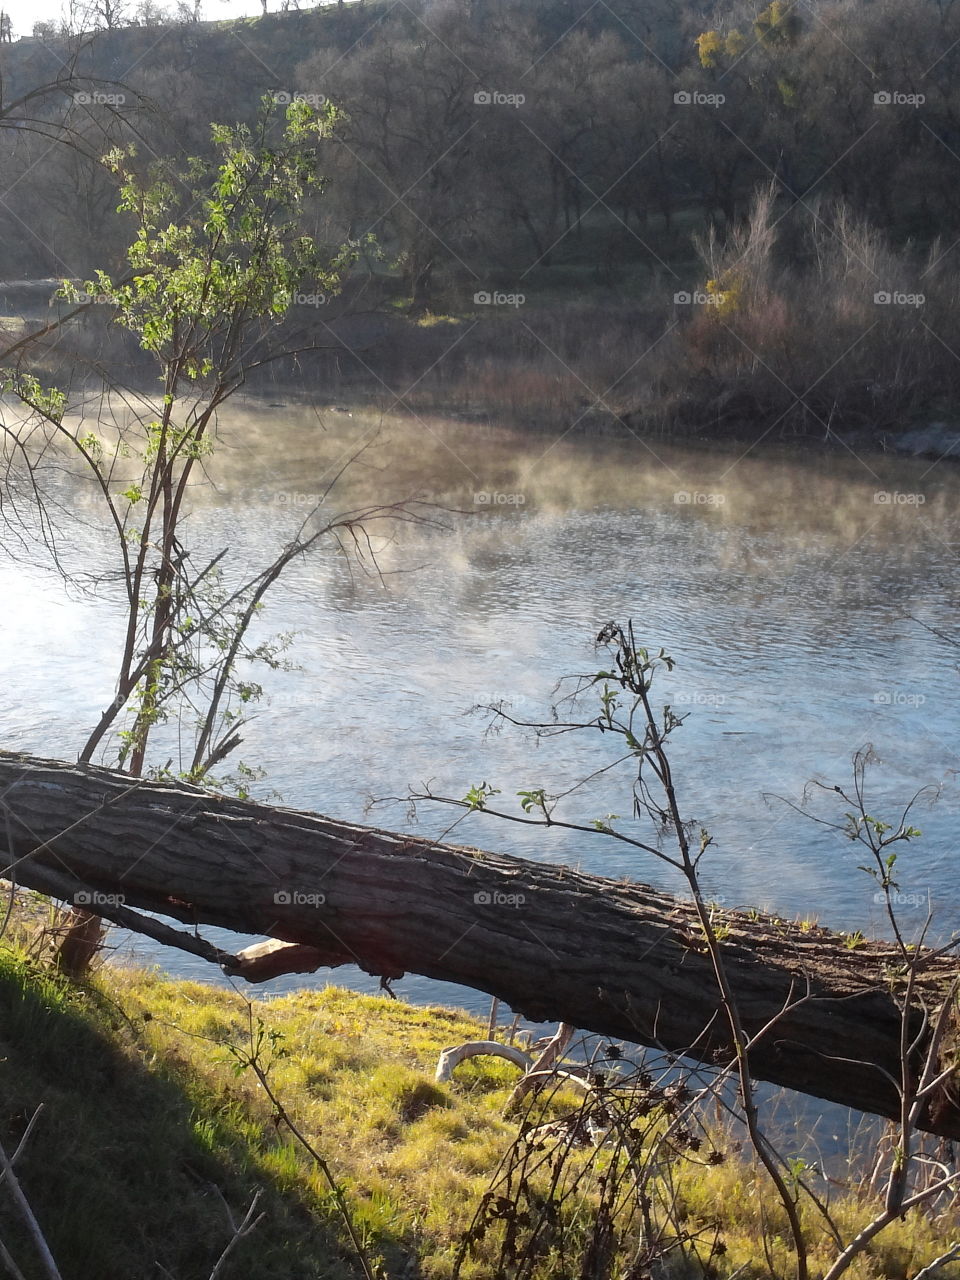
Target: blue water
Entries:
(802, 614)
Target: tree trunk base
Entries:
(82, 939)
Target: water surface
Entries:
(808, 604)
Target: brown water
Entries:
(792, 598)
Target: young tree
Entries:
(217, 258)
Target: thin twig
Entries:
(248, 1224)
(33, 1226)
(949, 1256)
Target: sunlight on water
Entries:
(800, 598)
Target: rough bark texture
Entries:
(616, 958)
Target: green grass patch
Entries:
(151, 1138)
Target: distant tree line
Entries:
(580, 161)
(492, 138)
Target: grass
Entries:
(148, 1131)
(152, 1136)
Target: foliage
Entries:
(217, 247)
(217, 258)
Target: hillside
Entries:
(638, 216)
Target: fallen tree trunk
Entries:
(617, 958)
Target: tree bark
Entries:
(616, 958)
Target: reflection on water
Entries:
(806, 602)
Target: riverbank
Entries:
(745, 372)
(154, 1136)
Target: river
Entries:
(808, 602)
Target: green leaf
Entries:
(477, 797)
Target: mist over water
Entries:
(800, 598)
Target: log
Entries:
(535, 1078)
(451, 1058)
(617, 958)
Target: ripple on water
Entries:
(784, 606)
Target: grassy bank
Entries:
(153, 1139)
